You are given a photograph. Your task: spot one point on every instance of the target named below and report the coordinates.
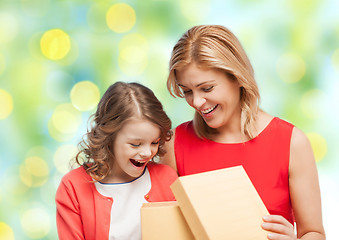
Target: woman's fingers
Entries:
(278, 227)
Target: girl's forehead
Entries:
(140, 128)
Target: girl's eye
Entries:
(208, 89)
(135, 145)
(155, 143)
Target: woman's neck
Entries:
(231, 133)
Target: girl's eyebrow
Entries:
(140, 139)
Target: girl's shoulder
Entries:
(161, 170)
(153, 166)
(76, 175)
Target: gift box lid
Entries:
(221, 204)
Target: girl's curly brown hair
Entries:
(119, 103)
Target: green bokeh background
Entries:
(293, 46)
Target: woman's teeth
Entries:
(208, 110)
(137, 163)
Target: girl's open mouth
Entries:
(137, 163)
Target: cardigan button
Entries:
(147, 196)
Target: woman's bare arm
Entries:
(169, 157)
(304, 188)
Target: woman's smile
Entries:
(208, 111)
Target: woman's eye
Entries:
(155, 143)
(208, 89)
(186, 91)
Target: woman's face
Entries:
(212, 94)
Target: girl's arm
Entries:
(304, 192)
(68, 219)
(169, 157)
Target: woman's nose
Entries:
(198, 101)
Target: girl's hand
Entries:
(279, 228)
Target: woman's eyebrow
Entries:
(198, 85)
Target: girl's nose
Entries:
(145, 152)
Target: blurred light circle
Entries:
(85, 96)
(133, 51)
(312, 103)
(25, 176)
(2, 63)
(57, 135)
(291, 68)
(195, 10)
(319, 145)
(35, 222)
(37, 166)
(63, 156)
(6, 104)
(66, 119)
(34, 172)
(8, 27)
(55, 44)
(120, 17)
(6, 232)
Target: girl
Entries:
(210, 69)
(102, 198)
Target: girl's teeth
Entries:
(137, 163)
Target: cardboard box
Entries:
(164, 221)
(221, 204)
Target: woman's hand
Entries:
(279, 228)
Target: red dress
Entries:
(265, 159)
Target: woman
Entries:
(210, 69)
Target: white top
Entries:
(127, 200)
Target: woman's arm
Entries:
(304, 192)
(304, 188)
(169, 157)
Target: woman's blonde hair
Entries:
(216, 47)
(121, 102)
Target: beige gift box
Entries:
(221, 204)
(164, 221)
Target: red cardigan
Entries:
(83, 213)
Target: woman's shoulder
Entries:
(185, 131)
(184, 126)
(266, 120)
(299, 140)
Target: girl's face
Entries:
(135, 145)
(212, 94)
